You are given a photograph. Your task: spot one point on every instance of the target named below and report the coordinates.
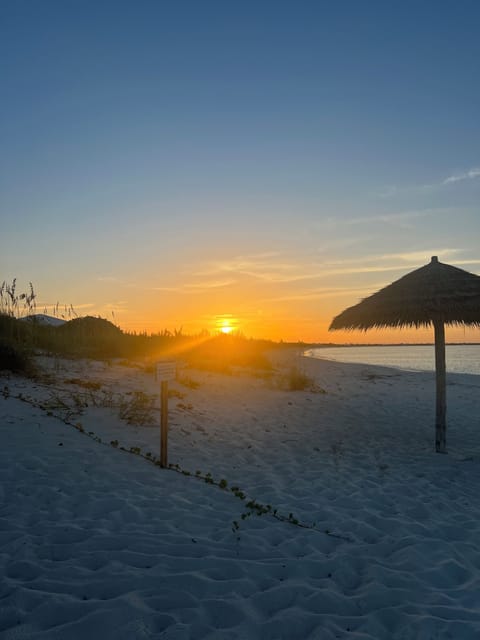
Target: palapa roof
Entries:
(436, 291)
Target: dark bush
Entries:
(90, 336)
(90, 327)
(12, 329)
(15, 359)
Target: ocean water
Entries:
(461, 358)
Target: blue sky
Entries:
(272, 161)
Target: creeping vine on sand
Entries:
(252, 507)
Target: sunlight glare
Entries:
(226, 328)
(225, 324)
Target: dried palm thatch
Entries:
(436, 294)
(435, 291)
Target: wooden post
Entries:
(164, 424)
(164, 371)
(441, 380)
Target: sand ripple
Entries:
(98, 544)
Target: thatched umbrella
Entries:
(436, 294)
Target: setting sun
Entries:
(226, 329)
(225, 324)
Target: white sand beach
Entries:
(98, 543)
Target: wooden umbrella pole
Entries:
(441, 402)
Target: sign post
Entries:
(164, 423)
(166, 370)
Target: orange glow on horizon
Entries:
(292, 329)
(258, 308)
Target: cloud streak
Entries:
(398, 219)
(393, 190)
(196, 287)
(317, 294)
(410, 257)
(271, 269)
(471, 174)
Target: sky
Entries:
(253, 165)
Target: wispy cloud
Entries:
(410, 257)
(464, 263)
(401, 219)
(165, 289)
(109, 309)
(196, 287)
(391, 191)
(264, 266)
(352, 266)
(274, 270)
(387, 191)
(471, 174)
(114, 280)
(381, 263)
(61, 307)
(308, 273)
(241, 263)
(199, 287)
(317, 294)
(359, 269)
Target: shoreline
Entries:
(457, 362)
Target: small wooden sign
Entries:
(166, 370)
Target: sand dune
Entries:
(99, 543)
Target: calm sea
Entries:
(461, 358)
